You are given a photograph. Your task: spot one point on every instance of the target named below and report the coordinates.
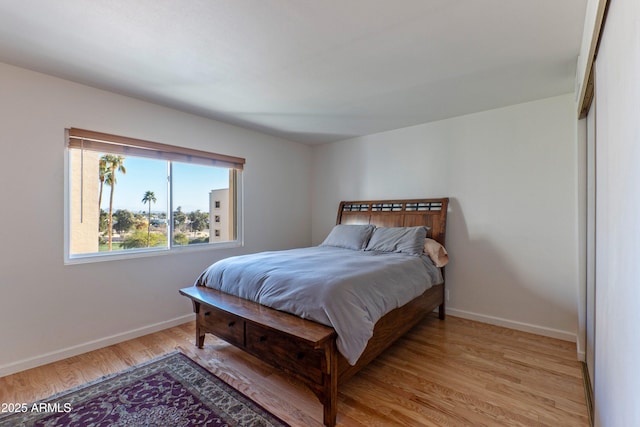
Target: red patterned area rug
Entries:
(171, 390)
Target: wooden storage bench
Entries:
(299, 347)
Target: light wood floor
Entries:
(454, 372)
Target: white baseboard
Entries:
(75, 350)
(582, 355)
(511, 324)
(54, 356)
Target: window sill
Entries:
(145, 253)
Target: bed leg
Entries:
(330, 400)
(199, 330)
(199, 337)
(441, 313)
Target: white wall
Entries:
(617, 372)
(48, 310)
(511, 174)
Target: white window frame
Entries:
(155, 251)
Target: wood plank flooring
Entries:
(454, 372)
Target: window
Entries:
(127, 196)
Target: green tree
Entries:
(113, 164)
(140, 221)
(124, 220)
(102, 227)
(199, 220)
(140, 239)
(180, 239)
(149, 196)
(179, 218)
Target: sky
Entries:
(191, 185)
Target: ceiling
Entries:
(309, 71)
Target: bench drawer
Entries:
(222, 324)
(287, 352)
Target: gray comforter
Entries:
(342, 288)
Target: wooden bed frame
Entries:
(306, 349)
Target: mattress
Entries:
(349, 290)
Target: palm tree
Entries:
(103, 171)
(113, 164)
(149, 196)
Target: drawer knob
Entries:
(263, 338)
(207, 313)
(300, 355)
(232, 324)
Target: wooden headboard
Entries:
(398, 213)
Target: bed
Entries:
(308, 346)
